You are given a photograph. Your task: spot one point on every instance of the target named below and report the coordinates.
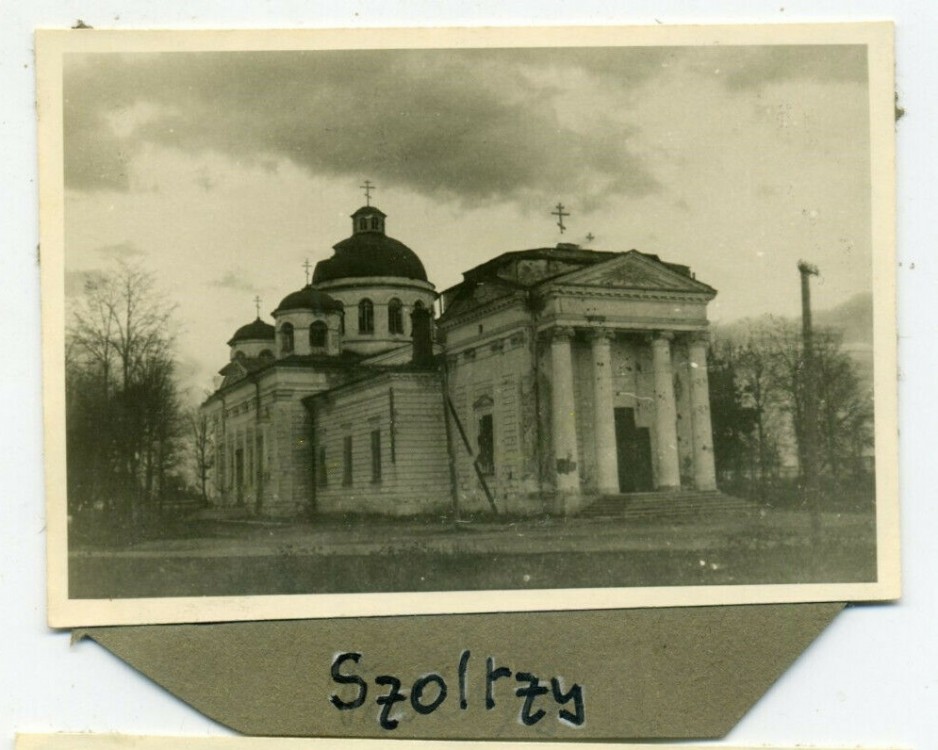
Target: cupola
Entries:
(369, 252)
(255, 339)
(309, 322)
(368, 219)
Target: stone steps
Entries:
(688, 505)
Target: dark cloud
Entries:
(474, 125)
(233, 280)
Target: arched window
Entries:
(395, 316)
(286, 338)
(375, 222)
(266, 354)
(363, 223)
(418, 305)
(317, 335)
(366, 316)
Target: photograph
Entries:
(85, 741)
(398, 321)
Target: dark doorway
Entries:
(486, 442)
(633, 450)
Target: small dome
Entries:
(257, 330)
(369, 211)
(308, 298)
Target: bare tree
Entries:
(122, 402)
(746, 354)
(203, 453)
(762, 362)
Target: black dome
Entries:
(254, 331)
(308, 298)
(370, 211)
(370, 254)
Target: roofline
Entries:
(511, 253)
(389, 281)
(368, 209)
(234, 340)
(605, 256)
(653, 259)
(286, 363)
(377, 374)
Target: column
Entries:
(669, 471)
(604, 428)
(563, 412)
(704, 469)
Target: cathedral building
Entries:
(550, 379)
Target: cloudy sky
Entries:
(222, 172)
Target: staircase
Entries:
(683, 506)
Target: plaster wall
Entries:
(406, 410)
(497, 379)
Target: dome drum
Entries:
(384, 321)
(305, 332)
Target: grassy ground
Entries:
(236, 558)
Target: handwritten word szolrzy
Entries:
(430, 691)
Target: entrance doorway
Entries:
(633, 451)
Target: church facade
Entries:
(550, 378)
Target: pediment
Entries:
(633, 270)
(234, 369)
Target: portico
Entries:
(591, 451)
(594, 365)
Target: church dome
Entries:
(369, 252)
(308, 298)
(257, 330)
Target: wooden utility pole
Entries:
(809, 448)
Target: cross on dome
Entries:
(367, 188)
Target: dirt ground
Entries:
(332, 556)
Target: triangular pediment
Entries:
(234, 368)
(634, 270)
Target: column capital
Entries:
(699, 338)
(601, 334)
(661, 338)
(560, 333)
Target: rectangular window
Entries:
(376, 455)
(486, 443)
(347, 461)
(322, 476)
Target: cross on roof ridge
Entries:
(560, 213)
